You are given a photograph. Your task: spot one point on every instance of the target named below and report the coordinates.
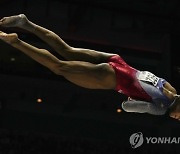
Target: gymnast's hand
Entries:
(175, 109)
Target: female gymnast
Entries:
(91, 69)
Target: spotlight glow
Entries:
(39, 100)
(12, 59)
(119, 110)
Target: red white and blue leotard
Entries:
(142, 86)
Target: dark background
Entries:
(77, 120)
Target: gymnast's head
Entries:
(175, 108)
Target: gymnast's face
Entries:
(175, 111)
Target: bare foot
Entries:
(9, 38)
(14, 21)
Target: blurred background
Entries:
(41, 112)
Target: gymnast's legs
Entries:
(66, 51)
(86, 68)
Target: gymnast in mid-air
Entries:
(92, 69)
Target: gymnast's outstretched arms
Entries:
(143, 107)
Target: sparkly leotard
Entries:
(143, 87)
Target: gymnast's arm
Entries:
(142, 107)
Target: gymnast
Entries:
(92, 69)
